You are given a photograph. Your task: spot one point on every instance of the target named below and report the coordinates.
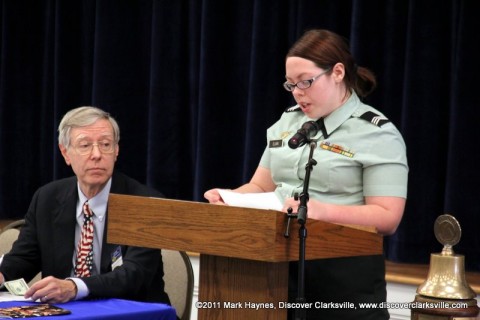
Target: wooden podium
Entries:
(243, 252)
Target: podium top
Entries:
(229, 231)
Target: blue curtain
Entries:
(195, 84)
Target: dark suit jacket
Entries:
(47, 241)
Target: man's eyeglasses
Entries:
(304, 84)
(84, 148)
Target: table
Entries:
(117, 309)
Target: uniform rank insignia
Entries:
(325, 145)
(374, 118)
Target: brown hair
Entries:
(325, 49)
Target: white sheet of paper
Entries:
(7, 296)
(265, 200)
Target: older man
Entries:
(64, 236)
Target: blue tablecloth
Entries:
(117, 309)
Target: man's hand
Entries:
(52, 290)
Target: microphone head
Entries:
(296, 141)
(308, 129)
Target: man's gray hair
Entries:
(81, 117)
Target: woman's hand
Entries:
(213, 196)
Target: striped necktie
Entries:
(84, 261)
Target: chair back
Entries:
(8, 236)
(178, 277)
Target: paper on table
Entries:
(7, 296)
(264, 200)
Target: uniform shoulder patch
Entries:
(374, 118)
(293, 109)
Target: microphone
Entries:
(308, 130)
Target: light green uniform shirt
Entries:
(359, 158)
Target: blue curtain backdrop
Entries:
(195, 84)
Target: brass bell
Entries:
(446, 278)
(445, 294)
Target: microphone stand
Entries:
(301, 216)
